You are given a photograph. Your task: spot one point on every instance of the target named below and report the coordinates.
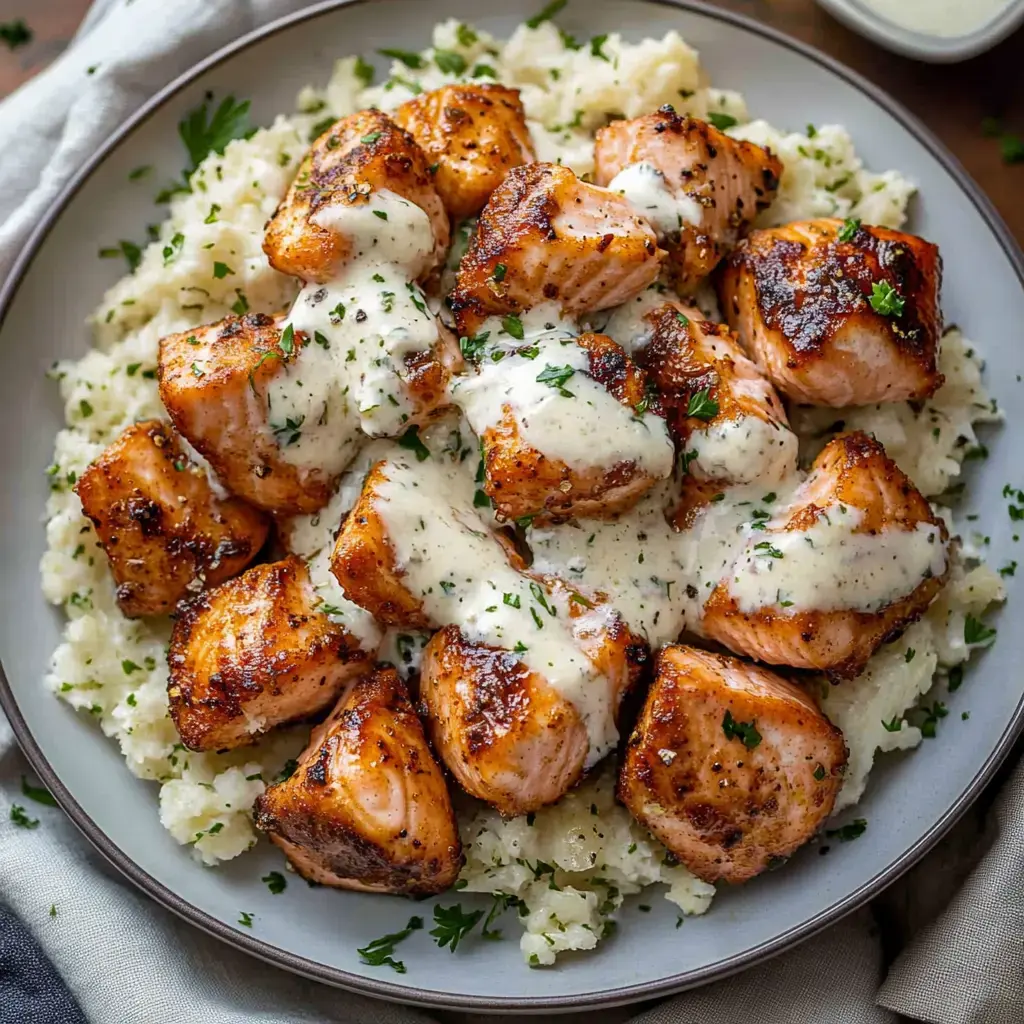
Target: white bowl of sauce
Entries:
(932, 30)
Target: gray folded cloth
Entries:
(127, 961)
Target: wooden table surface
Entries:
(951, 99)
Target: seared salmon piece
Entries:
(367, 807)
(730, 766)
(723, 414)
(547, 236)
(472, 133)
(321, 222)
(503, 730)
(700, 187)
(165, 530)
(253, 653)
(853, 559)
(601, 414)
(838, 314)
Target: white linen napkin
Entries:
(128, 961)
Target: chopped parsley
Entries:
(450, 62)
(768, 549)
(499, 272)
(546, 13)
(244, 918)
(21, 819)
(512, 325)
(204, 132)
(722, 121)
(597, 47)
(411, 440)
(744, 731)
(275, 882)
(452, 925)
(368, 140)
(977, 633)
(885, 300)
(173, 251)
(555, 377)
(378, 953)
(702, 406)
(847, 833)
(40, 794)
(129, 250)
(850, 227)
(931, 718)
(15, 33)
(895, 724)
(471, 347)
(406, 57)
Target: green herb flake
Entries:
(722, 121)
(450, 62)
(850, 227)
(976, 633)
(702, 406)
(744, 731)
(40, 794)
(885, 300)
(847, 833)
(412, 441)
(275, 882)
(15, 34)
(244, 919)
(513, 326)
(406, 57)
(21, 819)
(378, 953)
(452, 925)
(546, 13)
(597, 47)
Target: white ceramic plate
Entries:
(911, 800)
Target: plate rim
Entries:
(408, 994)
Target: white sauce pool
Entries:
(945, 18)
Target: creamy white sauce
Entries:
(626, 324)
(403, 648)
(568, 417)
(947, 18)
(454, 564)
(338, 608)
(667, 211)
(349, 379)
(744, 449)
(830, 567)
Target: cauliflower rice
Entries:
(569, 866)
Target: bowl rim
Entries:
(924, 46)
(407, 994)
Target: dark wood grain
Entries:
(951, 99)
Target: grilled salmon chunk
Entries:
(722, 413)
(506, 734)
(623, 449)
(165, 531)
(701, 188)
(730, 766)
(215, 382)
(367, 807)
(359, 156)
(854, 558)
(254, 653)
(472, 134)
(547, 236)
(838, 314)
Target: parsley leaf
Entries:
(275, 882)
(204, 133)
(411, 440)
(555, 377)
(451, 925)
(848, 833)
(378, 952)
(702, 406)
(850, 227)
(546, 13)
(450, 62)
(722, 121)
(21, 819)
(513, 326)
(744, 731)
(15, 33)
(885, 299)
(471, 347)
(976, 632)
(408, 58)
(596, 45)
(40, 794)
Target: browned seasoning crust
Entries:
(729, 797)
(357, 155)
(253, 653)
(166, 534)
(731, 180)
(524, 482)
(367, 807)
(800, 299)
(559, 239)
(853, 470)
(472, 134)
